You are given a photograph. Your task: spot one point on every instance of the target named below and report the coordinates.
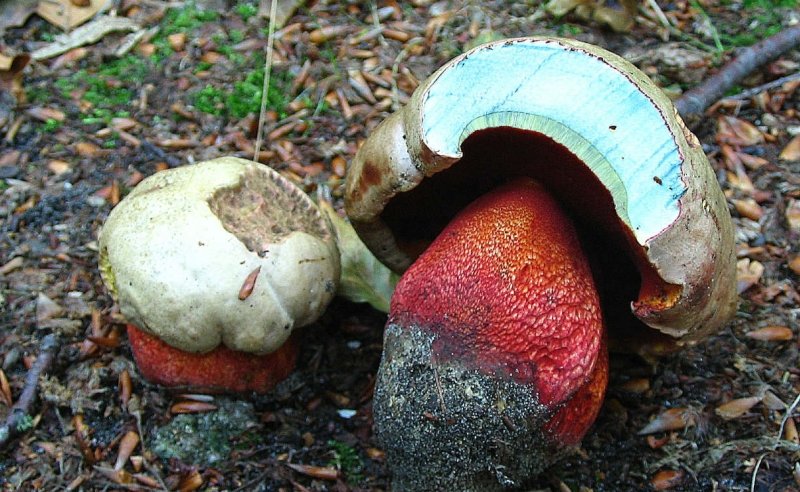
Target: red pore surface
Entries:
(221, 370)
(507, 290)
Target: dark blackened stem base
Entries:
(446, 426)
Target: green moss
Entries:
(346, 459)
(763, 18)
(51, 125)
(245, 96)
(210, 100)
(246, 10)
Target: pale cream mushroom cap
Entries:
(177, 250)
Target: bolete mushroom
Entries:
(520, 175)
(214, 265)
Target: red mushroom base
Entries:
(220, 371)
(495, 358)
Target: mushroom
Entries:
(214, 265)
(521, 175)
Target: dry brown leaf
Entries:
(192, 407)
(748, 208)
(326, 33)
(126, 447)
(739, 132)
(320, 472)
(44, 114)
(66, 15)
(177, 41)
(6, 397)
(667, 479)
(87, 149)
(771, 334)
(748, 273)
(116, 476)
(192, 481)
(736, 408)
(751, 161)
(793, 215)
(772, 402)
(249, 284)
(668, 420)
(638, 386)
(792, 150)
(794, 265)
(125, 388)
(790, 431)
(58, 167)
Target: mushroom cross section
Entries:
(521, 175)
(602, 112)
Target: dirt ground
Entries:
(80, 129)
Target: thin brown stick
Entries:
(694, 102)
(15, 422)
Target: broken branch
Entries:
(16, 422)
(694, 102)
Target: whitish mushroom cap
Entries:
(178, 249)
(613, 119)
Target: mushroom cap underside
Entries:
(583, 121)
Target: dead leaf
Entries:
(794, 265)
(638, 386)
(45, 114)
(790, 431)
(736, 408)
(284, 9)
(326, 33)
(771, 334)
(66, 15)
(792, 150)
(47, 308)
(748, 273)
(793, 215)
(736, 131)
(249, 284)
(667, 479)
(668, 420)
(320, 472)
(192, 407)
(87, 34)
(748, 208)
(126, 446)
(58, 167)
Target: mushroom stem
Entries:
(495, 341)
(221, 370)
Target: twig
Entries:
(754, 91)
(693, 103)
(273, 8)
(755, 473)
(15, 422)
(788, 415)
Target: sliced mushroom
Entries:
(608, 145)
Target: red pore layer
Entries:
(221, 370)
(507, 290)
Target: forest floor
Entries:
(79, 129)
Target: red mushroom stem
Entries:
(506, 290)
(220, 370)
